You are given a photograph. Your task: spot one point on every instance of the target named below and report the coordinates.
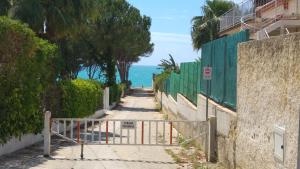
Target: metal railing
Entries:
(126, 132)
(234, 15)
(253, 9)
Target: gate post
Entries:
(212, 127)
(106, 98)
(47, 134)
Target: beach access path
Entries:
(139, 105)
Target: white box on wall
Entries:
(279, 143)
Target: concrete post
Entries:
(106, 98)
(47, 134)
(212, 128)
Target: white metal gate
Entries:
(123, 132)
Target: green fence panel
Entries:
(217, 64)
(206, 53)
(189, 80)
(175, 85)
(221, 55)
(231, 67)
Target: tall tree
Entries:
(120, 36)
(135, 43)
(206, 27)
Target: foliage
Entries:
(4, 7)
(24, 76)
(119, 37)
(91, 35)
(54, 19)
(159, 80)
(205, 28)
(80, 98)
(169, 65)
(61, 22)
(115, 92)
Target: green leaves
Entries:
(206, 28)
(24, 73)
(169, 65)
(80, 98)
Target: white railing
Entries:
(233, 16)
(125, 132)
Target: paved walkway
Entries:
(140, 105)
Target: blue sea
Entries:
(139, 75)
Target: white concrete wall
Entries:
(183, 109)
(29, 139)
(16, 144)
(172, 105)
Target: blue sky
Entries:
(171, 26)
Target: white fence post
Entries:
(47, 134)
(106, 98)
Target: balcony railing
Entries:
(234, 15)
(244, 11)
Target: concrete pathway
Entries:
(140, 105)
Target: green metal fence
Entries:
(221, 55)
(186, 83)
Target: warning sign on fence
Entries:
(207, 73)
(128, 124)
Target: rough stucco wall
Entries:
(226, 129)
(268, 94)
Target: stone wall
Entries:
(183, 109)
(268, 95)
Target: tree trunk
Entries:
(110, 68)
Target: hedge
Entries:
(80, 98)
(24, 75)
(115, 92)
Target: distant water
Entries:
(139, 75)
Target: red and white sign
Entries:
(207, 73)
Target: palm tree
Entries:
(169, 65)
(206, 27)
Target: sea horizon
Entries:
(139, 75)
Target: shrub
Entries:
(24, 75)
(80, 98)
(115, 92)
(159, 79)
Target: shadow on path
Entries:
(109, 159)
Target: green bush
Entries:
(24, 75)
(159, 80)
(115, 92)
(80, 98)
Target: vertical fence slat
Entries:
(106, 132)
(100, 134)
(149, 132)
(114, 131)
(71, 131)
(142, 136)
(78, 131)
(171, 130)
(93, 123)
